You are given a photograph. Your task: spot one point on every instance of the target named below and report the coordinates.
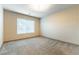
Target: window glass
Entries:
(25, 26)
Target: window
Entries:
(25, 26)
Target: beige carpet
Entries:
(38, 46)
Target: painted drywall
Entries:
(1, 25)
(10, 27)
(63, 25)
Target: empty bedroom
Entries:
(39, 29)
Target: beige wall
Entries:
(10, 26)
(1, 25)
(62, 25)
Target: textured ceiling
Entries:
(24, 9)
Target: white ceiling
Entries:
(24, 9)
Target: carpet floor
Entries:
(39, 46)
